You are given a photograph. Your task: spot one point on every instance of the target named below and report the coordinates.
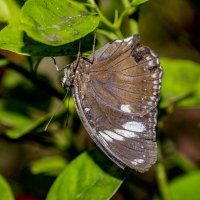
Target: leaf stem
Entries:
(104, 20)
(128, 9)
(162, 177)
(108, 34)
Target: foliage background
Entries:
(31, 158)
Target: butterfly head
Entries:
(67, 81)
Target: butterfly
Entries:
(116, 91)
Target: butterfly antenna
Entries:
(50, 120)
(53, 115)
(56, 66)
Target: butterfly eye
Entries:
(116, 97)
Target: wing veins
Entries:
(106, 105)
(116, 86)
(101, 101)
(114, 51)
(136, 65)
(135, 139)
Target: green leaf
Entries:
(181, 79)
(19, 123)
(4, 11)
(5, 191)
(186, 187)
(138, 2)
(57, 22)
(12, 10)
(84, 179)
(134, 26)
(22, 125)
(12, 38)
(49, 165)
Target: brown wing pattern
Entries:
(116, 98)
(128, 80)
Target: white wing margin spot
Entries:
(134, 126)
(137, 161)
(125, 133)
(126, 108)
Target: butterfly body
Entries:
(116, 97)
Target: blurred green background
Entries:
(31, 158)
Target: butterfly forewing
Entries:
(116, 98)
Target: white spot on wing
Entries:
(137, 161)
(157, 61)
(156, 81)
(128, 40)
(150, 103)
(106, 137)
(153, 98)
(154, 75)
(148, 58)
(151, 63)
(153, 54)
(161, 73)
(134, 126)
(127, 134)
(141, 48)
(87, 109)
(157, 87)
(126, 108)
(118, 41)
(113, 135)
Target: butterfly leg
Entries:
(93, 51)
(77, 57)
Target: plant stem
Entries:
(108, 34)
(128, 9)
(125, 3)
(162, 177)
(110, 25)
(103, 18)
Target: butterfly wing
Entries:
(127, 76)
(116, 99)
